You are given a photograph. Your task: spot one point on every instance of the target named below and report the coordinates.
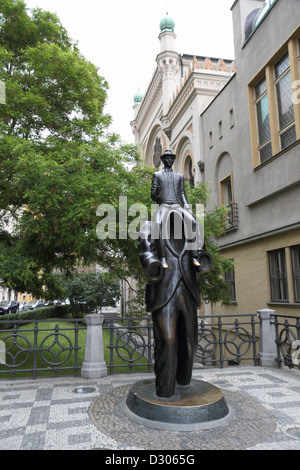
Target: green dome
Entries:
(167, 24)
(137, 98)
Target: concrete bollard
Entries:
(267, 346)
(94, 366)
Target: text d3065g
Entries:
(167, 459)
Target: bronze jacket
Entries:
(162, 191)
(180, 268)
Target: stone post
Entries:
(267, 346)
(94, 366)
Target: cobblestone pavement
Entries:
(47, 414)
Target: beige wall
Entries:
(252, 275)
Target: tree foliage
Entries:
(59, 163)
(214, 288)
(90, 291)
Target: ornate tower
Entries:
(138, 97)
(168, 62)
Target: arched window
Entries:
(157, 152)
(188, 171)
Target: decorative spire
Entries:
(208, 64)
(222, 66)
(167, 24)
(137, 97)
(196, 63)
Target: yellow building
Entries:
(251, 133)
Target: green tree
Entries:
(214, 288)
(58, 162)
(90, 291)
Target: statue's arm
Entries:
(155, 188)
(148, 254)
(182, 190)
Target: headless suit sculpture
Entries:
(170, 249)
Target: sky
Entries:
(120, 37)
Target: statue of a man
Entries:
(168, 191)
(172, 293)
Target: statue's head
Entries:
(168, 157)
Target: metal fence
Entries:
(287, 331)
(31, 347)
(228, 340)
(233, 216)
(222, 340)
(131, 343)
(34, 346)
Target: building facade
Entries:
(236, 125)
(251, 133)
(167, 116)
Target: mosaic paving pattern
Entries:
(47, 414)
(250, 424)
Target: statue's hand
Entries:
(155, 192)
(205, 262)
(155, 271)
(188, 208)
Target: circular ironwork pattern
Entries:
(206, 351)
(285, 342)
(132, 342)
(244, 341)
(54, 354)
(251, 425)
(21, 350)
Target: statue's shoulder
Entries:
(178, 175)
(158, 174)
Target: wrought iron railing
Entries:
(32, 347)
(131, 343)
(287, 331)
(222, 340)
(227, 339)
(232, 221)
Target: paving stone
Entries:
(47, 414)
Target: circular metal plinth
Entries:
(197, 406)
(251, 424)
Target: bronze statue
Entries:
(171, 252)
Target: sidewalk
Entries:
(47, 414)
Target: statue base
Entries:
(197, 406)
